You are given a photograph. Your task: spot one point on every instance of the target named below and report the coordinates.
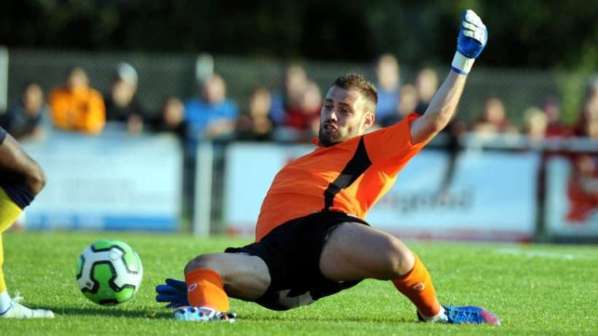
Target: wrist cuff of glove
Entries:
(462, 64)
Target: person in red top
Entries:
(312, 239)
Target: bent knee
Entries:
(211, 261)
(398, 259)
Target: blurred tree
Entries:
(524, 33)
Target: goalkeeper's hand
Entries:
(173, 292)
(472, 39)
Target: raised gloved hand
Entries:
(173, 292)
(472, 39)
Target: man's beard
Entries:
(327, 138)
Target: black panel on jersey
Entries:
(354, 168)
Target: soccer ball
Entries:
(109, 272)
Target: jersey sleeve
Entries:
(391, 146)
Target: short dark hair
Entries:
(359, 83)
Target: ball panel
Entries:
(80, 263)
(125, 294)
(103, 244)
(107, 244)
(101, 273)
(132, 262)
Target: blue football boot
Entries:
(202, 314)
(466, 315)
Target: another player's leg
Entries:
(212, 278)
(355, 251)
(20, 180)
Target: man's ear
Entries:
(370, 119)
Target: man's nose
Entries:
(333, 115)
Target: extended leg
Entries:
(355, 251)
(212, 278)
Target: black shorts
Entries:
(292, 253)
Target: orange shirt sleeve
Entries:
(391, 146)
(93, 118)
(60, 105)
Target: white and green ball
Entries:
(109, 272)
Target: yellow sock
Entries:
(2, 281)
(9, 212)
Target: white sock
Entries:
(440, 317)
(5, 301)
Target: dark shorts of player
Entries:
(292, 253)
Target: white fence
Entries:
(110, 182)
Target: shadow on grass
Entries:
(275, 317)
(278, 317)
(109, 312)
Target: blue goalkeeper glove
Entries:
(472, 39)
(173, 292)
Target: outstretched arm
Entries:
(470, 43)
(441, 109)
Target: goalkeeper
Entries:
(311, 237)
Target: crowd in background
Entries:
(286, 113)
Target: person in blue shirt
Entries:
(388, 85)
(211, 115)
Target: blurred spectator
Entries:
(388, 85)
(452, 133)
(295, 83)
(555, 127)
(76, 106)
(28, 118)
(494, 119)
(406, 106)
(121, 100)
(305, 117)
(171, 118)
(589, 113)
(212, 115)
(592, 130)
(426, 85)
(582, 189)
(535, 123)
(256, 124)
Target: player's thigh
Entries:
(245, 276)
(355, 251)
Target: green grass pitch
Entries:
(535, 289)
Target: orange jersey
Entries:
(80, 110)
(350, 177)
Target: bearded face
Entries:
(345, 114)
